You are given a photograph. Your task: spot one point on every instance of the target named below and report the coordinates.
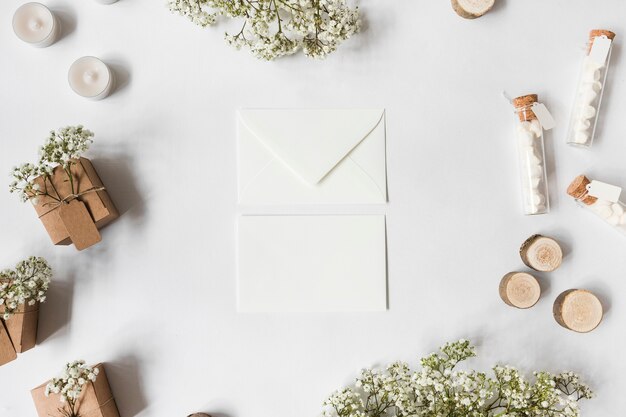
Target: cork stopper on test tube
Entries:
(578, 190)
(523, 104)
(596, 33)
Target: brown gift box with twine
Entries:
(22, 327)
(83, 205)
(7, 351)
(21, 332)
(96, 399)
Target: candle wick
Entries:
(90, 76)
(35, 24)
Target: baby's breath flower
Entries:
(193, 10)
(61, 148)
(438, 390)
(275, 28)
(26, 284)
(65, 146)
(70, 385)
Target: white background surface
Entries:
(156, 299)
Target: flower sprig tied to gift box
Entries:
(27, 284)
(439, 389)
(63, 148)
(69, 386)
(275, 28)
(80, 391)
(21, 291)
(65, 189)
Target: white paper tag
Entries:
(603, 191)
(600, 49)
(543, 115)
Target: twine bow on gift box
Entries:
(74, 218)
(74, 412)
(72, 196)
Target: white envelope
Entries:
(311, 156)
(312, 263)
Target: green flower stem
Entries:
(48, 179)
(68, 171)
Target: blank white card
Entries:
(312, 263)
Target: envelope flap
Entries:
(311, 142)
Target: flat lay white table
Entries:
(156, 300)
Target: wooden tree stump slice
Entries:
(578, 310)
(541, 253)
(471, 9)
(520, 290)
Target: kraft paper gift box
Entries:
(81, 213)
(7, 351)
(22, 327)
(96, 400)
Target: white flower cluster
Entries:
(345, 403)
(275, 28)
(70, 384)
(438, 390)
(24, 178)
(62, 148)
(193, 10)
(26, 284)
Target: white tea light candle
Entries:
(35, 24)
(91, 78)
